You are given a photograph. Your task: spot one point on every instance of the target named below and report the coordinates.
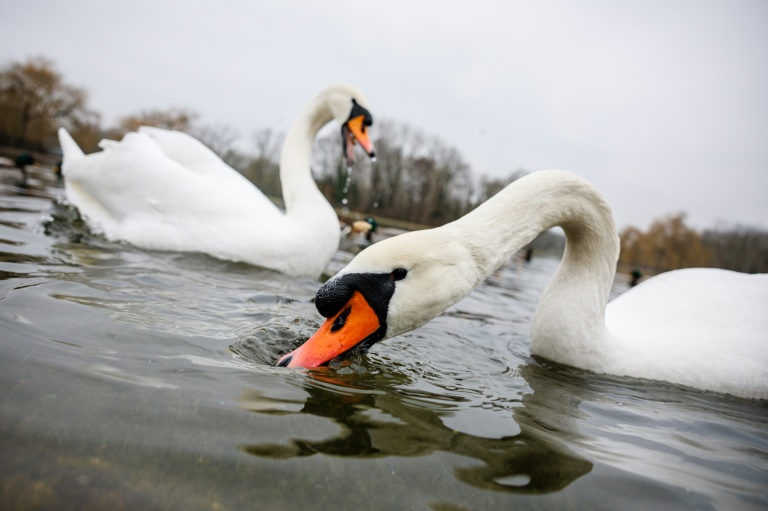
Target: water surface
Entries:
(132, 379)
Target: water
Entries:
(132, 379)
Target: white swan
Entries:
(164, 190)
(702, 328)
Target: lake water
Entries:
(142, 380)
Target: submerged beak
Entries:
(355, 130)
(355, 322)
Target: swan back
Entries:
(702, 327)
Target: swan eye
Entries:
(399, 274)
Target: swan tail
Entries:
(106, 143)
(69, 148)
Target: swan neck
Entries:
(299, 187)
(572, 307)
(510, 220)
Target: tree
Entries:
(416, 177)
(668, 244)
(35, 100)
(491, 186)
(219, 138)
(263, 169)
(738, 248)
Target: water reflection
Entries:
(378, 418)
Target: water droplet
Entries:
(347, 182)
(373, 159)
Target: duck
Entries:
(21, 162)
(702, 328)
(164, 190)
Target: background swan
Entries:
(703, 328)
(165, 190)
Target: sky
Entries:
(662, 105)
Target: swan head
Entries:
(350, 109)
(390, 288)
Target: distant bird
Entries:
(360, 227)
(21, 162)
(704, 328)
(365, 227)
(164, 190)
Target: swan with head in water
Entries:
(703, 328)
(164, 190)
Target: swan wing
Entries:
(136, 183)
(188, 152)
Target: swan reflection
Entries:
(387, 420)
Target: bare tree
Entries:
(491, 186)
(219, 138)
(263, 169)
(739, 248)
(416, 177)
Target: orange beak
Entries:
(360, 134)
(339, 334)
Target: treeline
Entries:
(417, 177)
(670, 244)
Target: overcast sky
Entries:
(663, 105)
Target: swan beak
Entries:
(353, 324)
(355, 130)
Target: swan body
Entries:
(164, 190)
(703, 328)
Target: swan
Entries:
(164, 190)
(702, 328)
